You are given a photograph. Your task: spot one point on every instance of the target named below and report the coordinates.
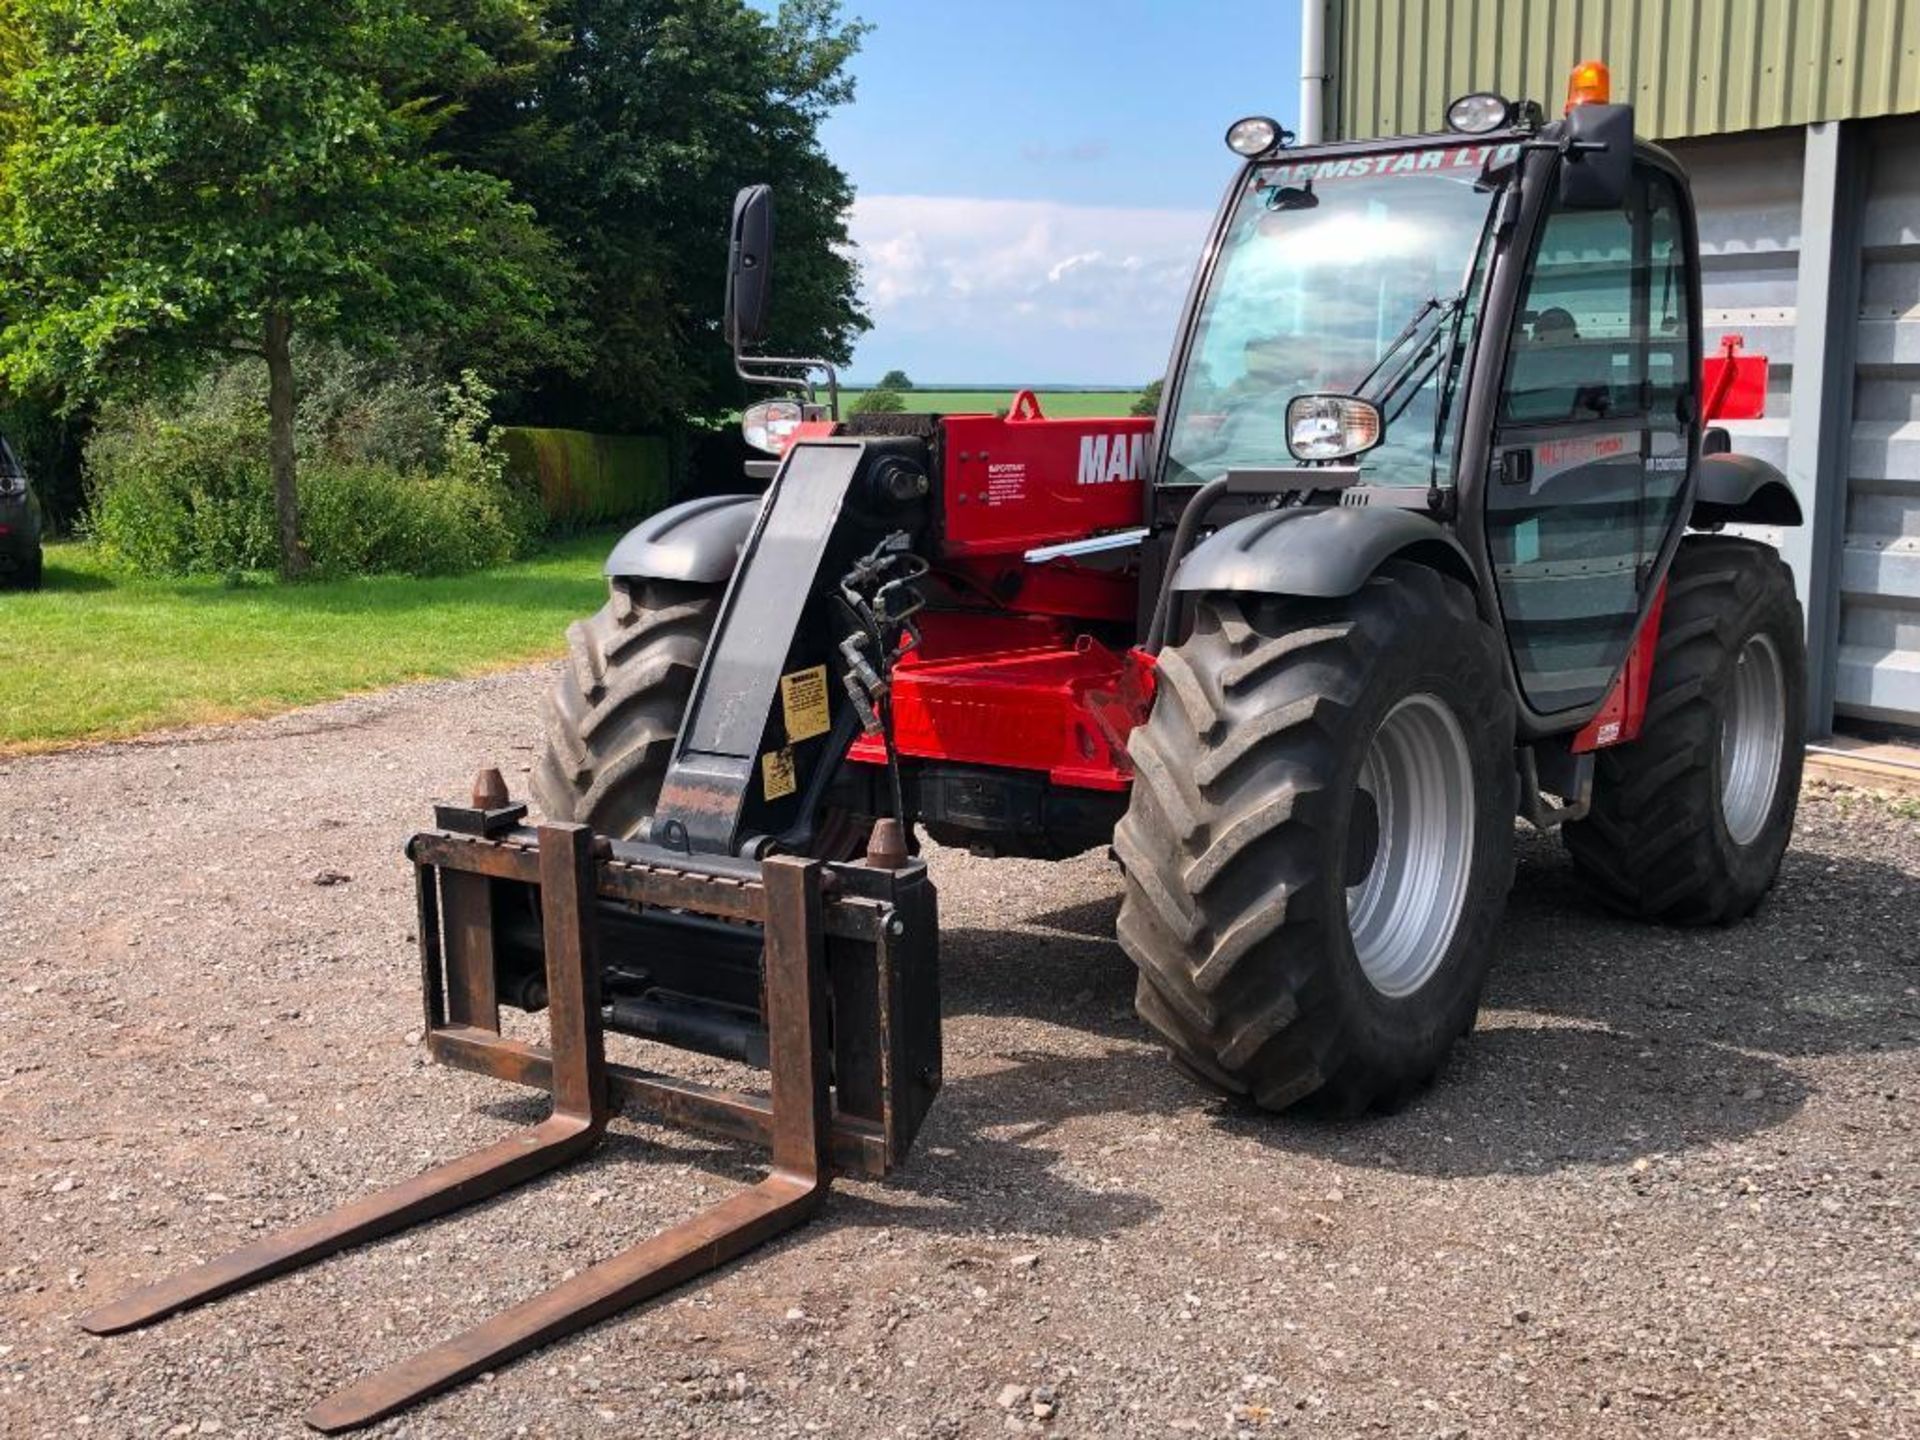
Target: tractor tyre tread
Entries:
(610, 720)
(1654, 844)
(1237, 809)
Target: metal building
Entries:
(1799, 121)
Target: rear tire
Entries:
(1690, 821)
(612, 717)
(1247, 821)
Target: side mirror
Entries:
(749, 267)
(1599, 163)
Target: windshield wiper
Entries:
(1403, 359)
(1430, 307)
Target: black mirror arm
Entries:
(1566, 146)
(791, 371)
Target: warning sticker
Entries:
(803, 697)
(1006, 482)
(776, 774)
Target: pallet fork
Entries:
(845, 945)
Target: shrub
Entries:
(184, 489)
(357, 408)
(880, 400)
(181, 498)
(372, 519)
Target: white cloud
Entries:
(1014, 291)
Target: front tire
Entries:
(612, 716)
(1690, 821)
(1319, 841)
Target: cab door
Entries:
(1591, 444)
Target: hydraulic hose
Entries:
(1190, 519)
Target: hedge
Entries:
(583, 478)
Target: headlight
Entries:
(1478, 113)
(770, 425)
(1331, 427)
(1254, 135)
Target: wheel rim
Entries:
(1403, 911)
(1753, 733)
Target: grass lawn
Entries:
(96, 655)
(1056, 404)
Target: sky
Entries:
(1034, 181)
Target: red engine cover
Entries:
(1022, 480)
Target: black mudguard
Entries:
(1321, 551)
(1741, 490)
(696, 540)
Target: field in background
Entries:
(97, 656)
(1060, 404)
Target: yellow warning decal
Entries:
(803, 698)
(776, 774)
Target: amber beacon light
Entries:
(1589, 84)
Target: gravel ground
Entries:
(1670, 1187)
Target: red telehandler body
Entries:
(1426, 535)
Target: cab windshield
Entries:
(1351, 276)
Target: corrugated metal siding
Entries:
(1747, 189)
(1691, 67)
(1879, 676)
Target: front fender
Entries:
(1320, 551)
(696, 540)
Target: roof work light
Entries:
(1256, 135)
(1588, 84)
(1478, 113)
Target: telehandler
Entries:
(1426, 536)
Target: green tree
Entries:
(16, 54)
(1148, 401)
(187, 179)
(630, 146)
(895, 380)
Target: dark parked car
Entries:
(19, 524)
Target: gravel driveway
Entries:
(1672, 1186)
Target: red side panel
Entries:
(1021, 481)
(1625, 710)
(1064, 708)
(1020, 686)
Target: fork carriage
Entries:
(822, 973)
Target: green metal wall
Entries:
(1690, 67)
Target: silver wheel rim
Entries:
(1403, 912)
(1753, 733)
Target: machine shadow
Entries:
(983, 1164)
(1825, 966)
(1603, 1038)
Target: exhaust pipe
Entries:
(1313, 70)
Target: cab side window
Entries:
(1574, 355)
(1591, 446)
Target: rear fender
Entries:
(696, 540)
(1741, 490)
(1320, 551)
